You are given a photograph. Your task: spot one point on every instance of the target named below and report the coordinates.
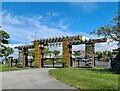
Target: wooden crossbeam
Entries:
(52, 41)
(58, 39)
(73, 40)
(24, 47)
(87, 41)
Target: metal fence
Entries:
(98, 64)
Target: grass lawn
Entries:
(87, 78)
(7, 68)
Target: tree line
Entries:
(47, 52)
(4, 40)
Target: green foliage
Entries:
(111, 30)
(47, 52)
(87, 78)
(109, 53)
(6, 51)
(76, 53)
(98, 53)
(106, 52)
(48, 62)
(4, 37)
(19, 55)
(55, 52)
(31, 52)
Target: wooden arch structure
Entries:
(66, 41)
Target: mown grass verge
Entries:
(87, 78)
(7, 68)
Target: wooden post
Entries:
(93, 55)
(37, 54)
(70, 55)
(67, 53)
(41, 55)
(25, 57)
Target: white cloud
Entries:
(106, 46)
(52, 14)
(22, 30)
(86, 6)
(62, 25)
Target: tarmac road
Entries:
(31, 79)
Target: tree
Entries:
(105, 52)
(19, 55)
(31, 52)
(110, 55)
(111, 31)
(4, 37)
(76, 53)
(47, 52)
(7, 51)
(55, 52)
(100, 56)
(98, 53)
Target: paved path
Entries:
(31, 79)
